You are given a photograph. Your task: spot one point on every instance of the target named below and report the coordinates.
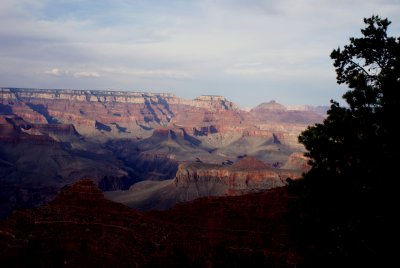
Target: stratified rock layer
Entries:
(195, 180)
(127, 114)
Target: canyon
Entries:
(146, 150)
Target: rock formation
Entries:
(195, 180)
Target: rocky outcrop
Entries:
(275, 112)
(272, 105)
(239, 178)
(15, 130)
(251, 163)
(196, 180)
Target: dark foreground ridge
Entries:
(80, 228)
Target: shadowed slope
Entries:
(82, 229)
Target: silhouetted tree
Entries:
(348, 194)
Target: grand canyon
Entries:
(187, 177)
(145, 150)
(179, 169)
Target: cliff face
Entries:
(232, 180)
(245, 176)
(14, 129)
(195, 180)
(105, 111)
(127, 114)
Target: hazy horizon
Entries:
(249, 52)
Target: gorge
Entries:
(146, 150)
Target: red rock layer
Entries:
(132, 114)
(233, 180)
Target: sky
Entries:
(250, 51)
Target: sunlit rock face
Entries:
(195, 180)
(127, 114)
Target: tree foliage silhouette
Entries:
(360, 138)
(348, 193)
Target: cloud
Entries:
(86, 74)
(277, 73)
(250, 70)
(66, 73)
(56, 72)
(151, 73)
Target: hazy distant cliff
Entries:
(127, 114)
(110, 112)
